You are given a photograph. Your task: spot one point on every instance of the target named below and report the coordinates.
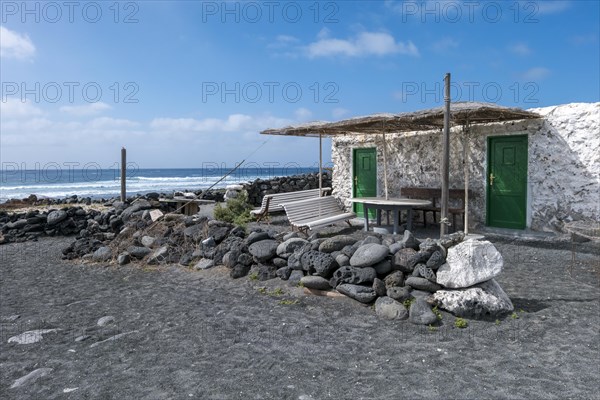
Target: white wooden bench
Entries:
(273, 202)
(316, 212)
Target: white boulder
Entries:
(469, 263)
(484, 300)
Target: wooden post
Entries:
(123, 173)
(385, 172)
(466, 132)
(445, 156)
(320, 164)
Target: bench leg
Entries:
(424, 219)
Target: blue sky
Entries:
(181, 84)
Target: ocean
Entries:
(105, 183)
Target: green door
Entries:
(364, 179)
(507, 181)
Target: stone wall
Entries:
(563, 169)
(261, 187)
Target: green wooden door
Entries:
(364, 179)
(507, 182)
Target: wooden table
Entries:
(187, 206)
(391, 204)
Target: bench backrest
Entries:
(312, 209)
(279, 198)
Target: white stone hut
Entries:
(554, 152)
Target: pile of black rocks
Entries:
(402, 276)
(74, 219)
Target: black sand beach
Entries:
(199, 334)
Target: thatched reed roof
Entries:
(424, 120)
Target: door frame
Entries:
(352, 172)
(486, 178)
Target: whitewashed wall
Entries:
(564, 163)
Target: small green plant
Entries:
(262, 290)
(514, 315)
(437, 313)
(288, 302)
(253, 276)
(407, 303)
(461, 323)
(277, 292)
(432, 328)
(300, 284)
(236, 210)
(497, 322)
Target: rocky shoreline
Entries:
(32, 217)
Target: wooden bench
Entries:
(315, 213)
(433, 194)
(273, 202)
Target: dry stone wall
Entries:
(258, 188)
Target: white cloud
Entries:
(303, 114)
(287, 39)
(25, 127)
(339, 112)
(444, 45)
(15, 108)
(112, 123)
(14, 45)
(283, 41)
(159, 142)
(233, 123)
(552, 7)
(520, 49)
(536, 73)
(86, 109)
(323, 33)
(41, 131)
(364, 44)
(578, 40)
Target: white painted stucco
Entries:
(563, 163)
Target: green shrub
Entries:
(277, 292)
(460, 323)
(235, 211)
(437, 313)
(288, 302)
(408, 302)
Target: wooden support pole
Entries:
(385, 171)
(123, 173)
(320, 164)
(467, 130)
(445, 157)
